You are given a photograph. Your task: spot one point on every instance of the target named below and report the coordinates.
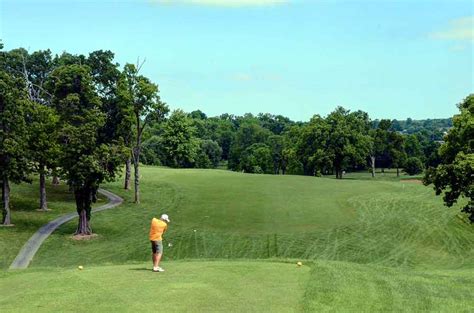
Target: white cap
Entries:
(165, 217)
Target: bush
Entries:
(413, 166)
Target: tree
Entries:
(454, 176)
(178, 140)
(413, 147)
(413, 166)
(248, 134)
(209, 154)
(396, 150)
(276, 145)
(34, 69)
(139, 98)
(14, 164)
(346, 141)
(257, 159)
(379, 150)
(86, 161)
(43, 146)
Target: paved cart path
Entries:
(30, 248)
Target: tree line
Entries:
(274, 144)
(72, 116)
(81, 118)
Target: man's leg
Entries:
(158, 259)
(154, 256)
(159, 253)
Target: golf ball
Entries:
(80, 267)
(299, 263)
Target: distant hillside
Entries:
(434, 127)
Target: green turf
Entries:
(242, 286)
(27, 219)
(368, 245)
(259, 216)
(184, 287)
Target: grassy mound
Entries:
(236, 286)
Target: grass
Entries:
(260, 216)
(237, 286)
(369, 245)
(26, 218)
(184, 287)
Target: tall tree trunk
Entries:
(137, 181)
(6, 220)
(128, 165)
(398, 172)
(136, 159)
(372, 160)
(83, 197)
(43, 203)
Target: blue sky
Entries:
(392, 59)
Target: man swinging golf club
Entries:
(157, 229)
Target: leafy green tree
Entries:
(86, 161)
(346, 141)
(257, 159)
(380, 147)
(178, 141)
(139, 98)
(291, 161)
(396, 150)
(14, 164)
(454, 176)
(276, 145)
(153, 152)
(311, 145)
(35, 69)
(43, 146)
(413, 166)
(209, 154)
(248, 134)
(413, 147)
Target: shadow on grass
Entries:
(140, 269)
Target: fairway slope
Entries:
(221, 214)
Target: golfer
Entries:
(157, 229)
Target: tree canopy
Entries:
(454, 176)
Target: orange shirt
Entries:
(157, 229)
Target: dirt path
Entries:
(30, 248)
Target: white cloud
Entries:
(460, 29)
(223, 3)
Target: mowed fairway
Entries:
(381, 245)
